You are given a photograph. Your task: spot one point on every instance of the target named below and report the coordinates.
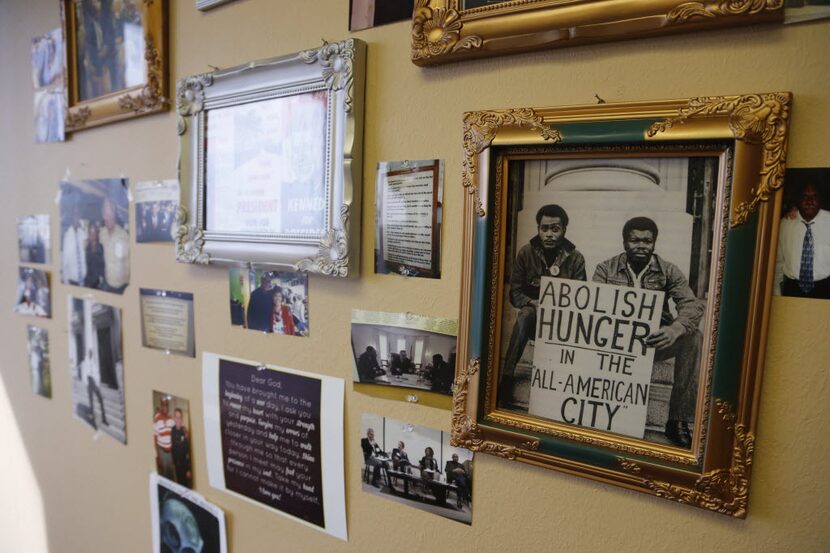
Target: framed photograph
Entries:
(452, 30)
(116, 60)
(33, 293)
(167, 321)
(802, 263)
(95, 236)
(96, 366)
(39, 366)
(34, 240)
(183, 520)
(404, 350)
(601, 244)
(409, 199)
(274, 437)
(171, 436)
(416, 466)
(270, 162)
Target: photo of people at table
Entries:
(416, 466)
(405, 356)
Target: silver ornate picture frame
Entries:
(270, 162)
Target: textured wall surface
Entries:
(64, 492)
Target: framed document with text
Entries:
(271, 162)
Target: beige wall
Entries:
(88, 495)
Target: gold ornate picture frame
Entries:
(451, 30)
(601, 246)
(116, 60)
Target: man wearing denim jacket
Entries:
(678, 336)
(549, 253)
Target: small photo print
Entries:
(155, 210)
(269, 301)
(403, 349)
(33, 295)
(365, 14)
(96, 366)
(95, 240)
(171, 437)
(47, 59)
(416, 466)
(408, 218)
(184, 521)
(796, 11)
(802, 266)
(33, 239)
(49, 115)
(38, 345)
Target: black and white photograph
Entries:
(34, 239)
(39, 367)
(95, 239)
(409, 209)
(606, 283)
(416, 466)
(171, 438)
(33, 293)
(155, 210)
(365, 14)
(404, 350)
(47, 59)
(274, 302)
(184, 521)
(96, 366)
(802, 262)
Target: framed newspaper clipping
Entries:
(602, 247)
(270, 162)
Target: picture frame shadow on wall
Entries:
(270, 162)
(116, 61)
(616, 279)
(452, 30)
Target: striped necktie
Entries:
(805, 274)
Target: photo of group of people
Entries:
(38, 345)
(633, 223)
(47, 78)
(802, 264)
(402, 349)
(155, 210)
(184, 521)
(269, 301)
(416, 466)
(171, 438)
(33, 239)
(95, 240)
(96, 366)
(33, 295)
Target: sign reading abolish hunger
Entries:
(591, 365)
